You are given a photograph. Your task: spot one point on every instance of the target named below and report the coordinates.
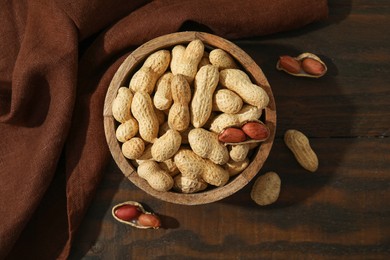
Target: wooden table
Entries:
(342, 210)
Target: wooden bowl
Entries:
(122, 77)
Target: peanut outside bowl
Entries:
(122, 78)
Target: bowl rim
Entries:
(167, 41)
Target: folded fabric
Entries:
(56, 61)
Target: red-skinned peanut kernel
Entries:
(127, 212)
(149, 220)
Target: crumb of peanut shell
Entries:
(266, 189)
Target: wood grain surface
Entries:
(340, 212)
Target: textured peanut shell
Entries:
(185, 61)
(179, 113)
(133, 148)
(193, 166)
(157, 178)
(121, 105)
(266, 189)
(158, 61)
(154, 66)
(166, 146)
(247, 113)
(235, 168)
(205, 144)
(187, 185)
(227, 101)
(299, 145)
(162, 98)
(239, 153)
(126, 130)
(143, 110)
(239, 82)
(206, 81)
(222, 60)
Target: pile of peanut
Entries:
(173, 111)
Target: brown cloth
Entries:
(56, 61)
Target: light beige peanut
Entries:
(299, 144)
(239, 82)
(126, 130)
(143, 110)
(169, 166)
(157, 178)
(247, 113)
(266, 189)
(185, 60)
(162, 99)
(187, 185)
(235, 168)
(227, 101)
(166, 146)
(121, 105)
(206, 81)
(179, 114)
(133, 148)
(193, 166)
(239, 152)
(154, 66)
(222, 60)
(206, 144)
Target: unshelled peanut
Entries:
(206, 81)
(127, 130)
(205, 144)
(154, 66)
(193, 166)
(227, 101)
(157, 178)
(187, 185)
(239, 82)
(162, 98)
(133, 148)
(235, 168)
(143, 110)
(239, 152)
(179, 114)
(299, 145)
(121, 105)
(185, 60)
(166, 146)
(222, 60)
(266, 189)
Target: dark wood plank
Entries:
(333, 212)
